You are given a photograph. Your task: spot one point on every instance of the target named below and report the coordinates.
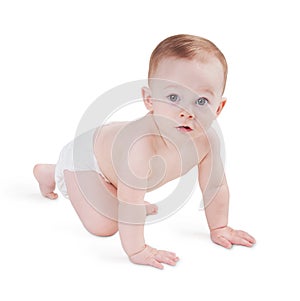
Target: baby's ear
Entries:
(146, 92)
(221, 106)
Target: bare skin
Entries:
(44, 174)
(171, 132)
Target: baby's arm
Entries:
(215, 191)
(212, 181)
(132, 187)
(132, 214)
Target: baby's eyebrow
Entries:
(173, 86)
(208, 91)
(199, 93)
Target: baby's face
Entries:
(186, 93)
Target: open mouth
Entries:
(184, 128)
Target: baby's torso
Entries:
(103, 144)
(168, 163)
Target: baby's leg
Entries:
(90, 196)
(44, 173)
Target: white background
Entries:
(59, 56)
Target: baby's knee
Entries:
(102, 231)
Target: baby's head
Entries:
(187, 77)
(186, 47)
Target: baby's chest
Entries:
(168, 166)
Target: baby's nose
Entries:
(185, 114)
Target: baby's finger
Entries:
(153, 262)
(168, 254)
(171, 256)
(165, 259)
(246, 236)
(241, 241)
(220, 240)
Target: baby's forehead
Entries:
(192, 74)
(169, 86)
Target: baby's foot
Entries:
(151, 208)
(44, 174)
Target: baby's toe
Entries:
(51, 195)
(151, 209)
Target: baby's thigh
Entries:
(94, 200)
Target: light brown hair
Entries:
(186, 47)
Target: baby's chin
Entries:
(197, 133)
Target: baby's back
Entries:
(103, 144)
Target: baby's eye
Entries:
(173, 97)
(201, 101)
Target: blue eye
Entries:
(173, 97)
(201, 101)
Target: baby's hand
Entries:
(153, 257)
(227, 237)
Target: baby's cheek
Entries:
(204, 118)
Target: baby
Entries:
(106, 171)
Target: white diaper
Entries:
(77, 155)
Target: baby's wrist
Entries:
(144, 255)
(138, 252)
(217, 228)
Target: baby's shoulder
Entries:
(126, 139)
(131, 153)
